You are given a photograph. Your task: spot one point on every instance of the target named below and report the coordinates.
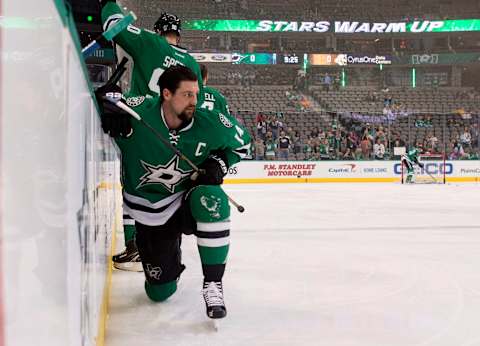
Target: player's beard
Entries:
(187, 113)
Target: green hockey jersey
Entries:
(154, 177)
(214, 100)
(151, 54)
(412, 156)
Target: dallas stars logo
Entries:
(169, 175)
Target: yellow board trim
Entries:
(102, 323)
(109, 186)
(463, 179)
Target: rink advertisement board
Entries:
(341, 171)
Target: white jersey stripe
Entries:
(112, 20)
(146, 203)
(128, 222)
(154, 219)
(213, 242)
(213, 226)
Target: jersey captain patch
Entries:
(135, 101)
(224, 120)
(168, 175)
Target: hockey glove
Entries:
(115, 121)
(421, 165)
(215, 168)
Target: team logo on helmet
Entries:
(168, 23)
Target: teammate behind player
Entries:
(214, 100)
(159, 193)
(408, 161)
(152, 54)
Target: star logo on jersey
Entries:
(168, 175)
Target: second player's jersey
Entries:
(154, 177)
(214, 100)
(151, 54)
(412, 155)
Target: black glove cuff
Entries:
(221, 162)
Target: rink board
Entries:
(267, 172)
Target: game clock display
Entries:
(289, 59)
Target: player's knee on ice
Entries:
(160, 292)
(209, 203)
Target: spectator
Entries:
(334, 141)
(378, 150)
(284, 143)
(292, 134)
(353, 138)
(466, 137)
(366, 146)
(298, 144)
(456, 152)
(259, 149)
(315, 132)
(323, 149)
(260, 117)
(351, 147)
(381, 135)
(327, 82)
(432, 142)
(275, 126)
(367, 133)
(308, 149)
(270, 147)
(261, 129)
(475, 133)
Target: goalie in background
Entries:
(409, 159)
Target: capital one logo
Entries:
(429, 168)
(349, 168)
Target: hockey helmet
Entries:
(167, 23)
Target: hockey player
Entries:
(408, 161)
(152, 54)
(159, 193)
(214, 100)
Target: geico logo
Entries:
(219, 57)
(432, 168)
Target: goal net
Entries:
(433, 171)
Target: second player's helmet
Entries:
(168, 23)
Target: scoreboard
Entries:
(323, 59)
(254, 58)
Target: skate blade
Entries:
(129, 266)
(214, 323)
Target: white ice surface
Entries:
(326, 264)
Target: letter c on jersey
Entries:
(198, 152)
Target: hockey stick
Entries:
(109, 34)
(431, 176)
(197, 170)
(117, 74)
